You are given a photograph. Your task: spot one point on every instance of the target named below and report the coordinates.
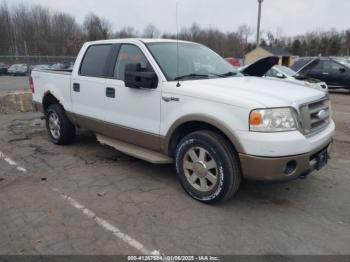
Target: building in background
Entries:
(285, 58)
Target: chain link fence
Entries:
(36, 60)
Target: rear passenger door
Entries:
(89, 83)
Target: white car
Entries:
(288, 74)
(268, 67)
(18, 69)
(167, 101)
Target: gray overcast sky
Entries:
(290, 17)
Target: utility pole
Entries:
(25, 48)
(258, 27)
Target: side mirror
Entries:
(342, 70)
(134, 77)
(280, 75)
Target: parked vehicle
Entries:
(41, 67)
(218, 126)
(3, 69)
(268, 67)
(18, 70)
(288, 74)
(335, 73)
(233, 61)
(58, 66)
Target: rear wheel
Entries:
(61, 130)
(207, 167)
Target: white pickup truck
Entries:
(169, 101)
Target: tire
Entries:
(201, 178)
(60, 128)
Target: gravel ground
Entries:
(90, 199)
(13, 83)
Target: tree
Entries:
(36, 30)
(66, 34)
(151, 32)
(296, 48)
(7, 45)
(126, 32)
(96, 28)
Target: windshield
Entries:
(286, 70)
(195, 61)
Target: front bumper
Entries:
(279, 169)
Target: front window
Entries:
(286, 70)
(272, 73)
(129, 54)
(195, 61)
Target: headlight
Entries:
(273, 120)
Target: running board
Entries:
(135, 151)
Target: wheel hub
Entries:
(54, 125)
(200, 169)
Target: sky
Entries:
(285, 17)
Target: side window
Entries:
(95, 60)
(332, 67)
(129, 54)
(299, 64)
(272, 73)
(318, 68)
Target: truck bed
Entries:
(55, 82)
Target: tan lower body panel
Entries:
(273, 168)
(128, 135)
(135, 151)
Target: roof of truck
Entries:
(144, 40)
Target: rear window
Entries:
(95, 60)
(300, 63)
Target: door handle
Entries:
(325, 73)
(110, 92)
(76, 87)
(170, 98)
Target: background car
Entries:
(41, 67)
(268, 67)
(3, 69)
(233, 61)
(286, 73)
(58, 66)
(38, 67)
(18, 69)
(334, 72)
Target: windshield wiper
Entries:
(228, 74)
(190, 76)
(225, 74)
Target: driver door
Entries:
(134, 113)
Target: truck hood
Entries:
(250, 92)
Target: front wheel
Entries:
(207, 167)
(61, 130)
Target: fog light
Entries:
(290, 167)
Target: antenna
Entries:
(177, 46)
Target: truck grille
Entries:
(314, 116)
